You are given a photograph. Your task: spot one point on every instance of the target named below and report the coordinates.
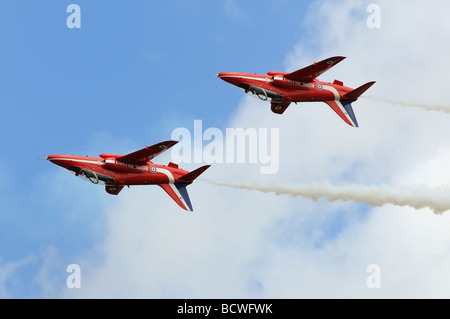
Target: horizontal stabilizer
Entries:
(189, 177)
(356, 93)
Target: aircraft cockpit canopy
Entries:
(91, 176)
(260, 93)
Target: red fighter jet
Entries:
(116, 171)
(282, 88)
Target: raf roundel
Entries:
(153, 169)
(319, 86)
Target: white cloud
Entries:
(8, 276)
(46, 278)
(240, 243)
(408, 246)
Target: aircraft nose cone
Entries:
(229, 77)
(55, 159)
(226, 74)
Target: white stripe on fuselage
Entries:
(77, 160)
(333, 90)
(246, 77)
(171, 184)
(337, 99)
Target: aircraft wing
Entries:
(146, 154)
(279, 107)
(113, 190)
(311, 72)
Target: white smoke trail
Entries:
(436, 199)
(427, 107)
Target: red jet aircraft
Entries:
(282, 88)
(116, 171)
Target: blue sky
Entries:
(132, 73)
(137, 70)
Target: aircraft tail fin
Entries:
(178, 191)
(344, 109)
(179, 194)
(356, 93)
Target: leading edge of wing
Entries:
(146, 154)
(312, 71)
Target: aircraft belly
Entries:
(289, 86)
(311, 96)
(143, 179)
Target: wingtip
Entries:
(166, 144)
(337, 58)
